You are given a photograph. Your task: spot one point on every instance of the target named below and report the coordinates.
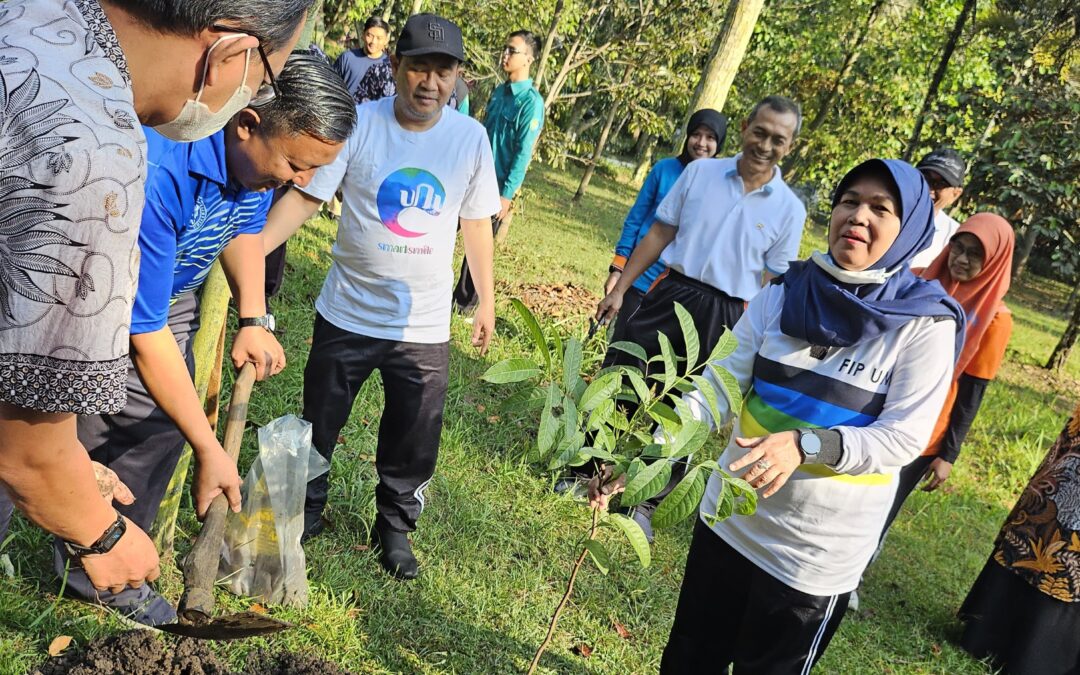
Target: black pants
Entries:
(631, 303)
(732, 613)
(414, 379)
(275, 271)
(712, 311)
(465, 291)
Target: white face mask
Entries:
(195, 120)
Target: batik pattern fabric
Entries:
(72, 168)
(1040, 540)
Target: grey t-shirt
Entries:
(72, 168)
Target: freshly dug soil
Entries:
(555, 301)
(141, 652)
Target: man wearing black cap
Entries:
(944, 170)
(408, 173)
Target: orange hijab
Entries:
(981, 297)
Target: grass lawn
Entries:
(495, 543)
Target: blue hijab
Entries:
(825, 306)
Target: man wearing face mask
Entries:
(408, 173)
(204, 198)
(77, 78)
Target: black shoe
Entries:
(397, 557)
(314, 525)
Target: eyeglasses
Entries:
(267, 90)
(973, 254)
(510, 51)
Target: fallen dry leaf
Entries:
(936, 649)
(583, 650)
(353, 612)
(620, 629)
(59, 644)
(257, 608)
(309, 341)
(361, 547)
(480, 408)
(494, 418)
(341, 440)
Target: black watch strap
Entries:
(105, 542)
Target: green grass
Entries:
(495, 544)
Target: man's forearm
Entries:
(244, 264)
(164, 373)
(479, 247)
(645, 254)
(47, 473)
(286, 217)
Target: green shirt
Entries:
(515, 116)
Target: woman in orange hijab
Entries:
(975, 268)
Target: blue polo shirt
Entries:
(193, 210)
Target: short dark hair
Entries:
(272, 21)
(377, 22)
(530, 39)
(313, 100)
(780, 104)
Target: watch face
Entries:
(809, 443)
(271, 324)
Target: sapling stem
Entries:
(566, 596)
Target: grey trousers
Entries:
(142, 445)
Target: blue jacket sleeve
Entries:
(161, 219)
(645, 204)
(530, 121)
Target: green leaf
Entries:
(602, 414)
(634, 535)
(604, 439)
(598, 453)
(730, 386)
(528, 398)
(724, 346)
(681, 501)
(572, 363)
(708, 392)
(663, 414)
(567, 451)
(668, 353)
(571, 423)
(511, 370)
(534, 329)
(599, 555)
(638, 383)
(631, 348)
(601, 389)
(725, 505)
(745, 496)
(690, 336)
(550, 424)
(647, 483)
(691, 436)
(633, 469)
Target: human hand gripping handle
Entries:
(217, 482)
(772, 459)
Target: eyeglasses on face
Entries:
(974, 253)
(268, 90)
(510, 51)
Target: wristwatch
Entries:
(266, 321)
(105, 542)
(810, 445)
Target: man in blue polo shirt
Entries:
(203, 199)
(726, 228)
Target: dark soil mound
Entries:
(138, 652)
(141, 652)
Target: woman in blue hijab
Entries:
(843, 363)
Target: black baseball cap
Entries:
(430, 34)
(946, 163)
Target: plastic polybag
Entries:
(261, 556)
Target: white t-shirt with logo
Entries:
(404, 192)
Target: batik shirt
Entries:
(72, 168)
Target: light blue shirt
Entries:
(727, 238)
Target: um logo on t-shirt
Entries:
(405, 189)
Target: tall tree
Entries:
(723, 63)
(1064, 346)
(549, 41)
(598, 149)
(966, 12)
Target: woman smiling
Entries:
(844, 363)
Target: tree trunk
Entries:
(307, 35)
(388, 11)
(549, 41)
(644, 160)
(1064, 346)
(727, 53)
(417, 5)
(827, 105)
(1020, 256)
(609, 122)
(935, 82)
